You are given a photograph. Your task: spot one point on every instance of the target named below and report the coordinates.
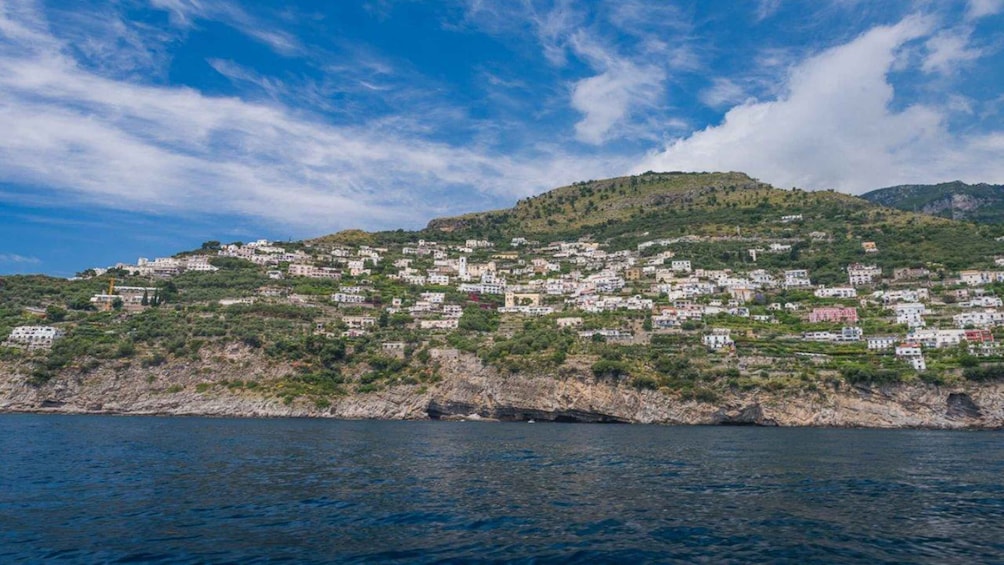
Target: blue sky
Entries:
(142, 127)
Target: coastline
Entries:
(469, 390)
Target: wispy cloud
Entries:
(722, 92)
(837, 127)
(766, 9)
(628, 75)
(981, 8)
(948, 50)
(156, 149)
(18, 259)
(187, 13)
(607, 99)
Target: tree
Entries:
(55, 313)
(167, 291)
(81, 303)
(117, 303)
(146, 299)
(400, 320)
(476, 319)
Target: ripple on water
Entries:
(192, 490)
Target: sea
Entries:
(128, 489)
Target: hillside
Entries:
(731, 211)
(663, 297)
(982, 203)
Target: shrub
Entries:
(153, 360)
(643, 382)
(861, 374)
(606, 368)
(984, 373)
(931, 377)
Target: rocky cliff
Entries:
(468, 389)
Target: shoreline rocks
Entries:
(469, 390)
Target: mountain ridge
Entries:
(981, 202)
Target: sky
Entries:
(136, 128)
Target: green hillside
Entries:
(982, 203)
(730, 212)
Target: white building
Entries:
(609, 334)
(343, 298)
(912, 354)
(569, 322)
(447, 324)
(858, 274)
(680, 266)
(937, 338)
(881, 342)
(34, 337)
(482, 288)
(977, 278)
(359, 322)
(719, 338)
(797, 278)
(980, 319)
(836, 292)
(314, 272)
(906, 295)
(911, 314)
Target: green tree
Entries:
(55, 314)
(476, 319)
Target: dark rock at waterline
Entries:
(505, 413)
(961, 406)
(751, 415)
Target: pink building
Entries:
(834, 314)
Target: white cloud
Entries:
(722, 92)
(947, 50)
(766, 9)
(127, 146)
(836, 128)
(982, 8)
(607, 99)
(185, 13)
(630, 46)
(20, 259)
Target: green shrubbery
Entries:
(984, 373)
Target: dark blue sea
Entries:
(96, 489)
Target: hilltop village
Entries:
(626, 297)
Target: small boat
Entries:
(530, 421)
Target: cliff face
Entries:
(470, 390)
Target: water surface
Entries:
(136, 489)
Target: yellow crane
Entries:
(111, 286)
